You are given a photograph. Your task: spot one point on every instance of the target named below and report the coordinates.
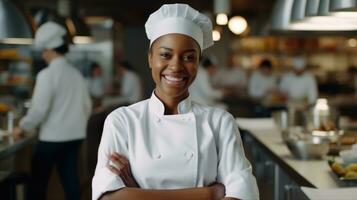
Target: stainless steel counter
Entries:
(313, 173)
(9, 146)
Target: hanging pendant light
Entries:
(298, 10)
(222, 9)
(344, 8)
(319, 18)
(14, 28)
(237, 25)
(280, 19)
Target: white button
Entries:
(158, 156)
(158, 120)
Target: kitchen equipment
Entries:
(308, 147)
(322, 117)
(281, 119)
(349, 156)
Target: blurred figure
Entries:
(96, 84)
(126, 88)
(61, 106)
(201, 89)
(262, 82)
(232, 78)
(299, 86)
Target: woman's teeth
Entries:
(172, 78)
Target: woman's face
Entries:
(173, 60)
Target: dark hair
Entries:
(126, 65)
(266, 64)
(206, 62)
(63, 49)
(93, 66)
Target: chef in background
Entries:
(262, 81)
(299, 86)
(96, 84)
(60, 107)
(202, 90)
(127, 88)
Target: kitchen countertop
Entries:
(8, 147)
(313, 173)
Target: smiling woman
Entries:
(169, 147)
(173, 60)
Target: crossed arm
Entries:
(215, 191)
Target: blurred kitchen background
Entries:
(105, 32)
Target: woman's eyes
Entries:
(165, 55)
(185, 58)
(189, 58)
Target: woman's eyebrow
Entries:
(187, 50)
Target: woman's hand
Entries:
(121, 167)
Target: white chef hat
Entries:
(49, 36)
(299, 63)
(180, 18)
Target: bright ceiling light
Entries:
(352, 42)
(216, 35)
(222, 19)
(237, 25)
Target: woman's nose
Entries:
(175, 63)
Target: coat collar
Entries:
(157, 107)
(59, 61)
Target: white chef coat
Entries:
(96, 87)
(130, 90)
(202, 91)
(61, 103)
(260, 84)
(231, 77)
(194, 148)
(299, 88)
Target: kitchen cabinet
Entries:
(273, 181)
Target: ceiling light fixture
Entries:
(222, 9)
(216, 35)
(344, 8)
(14, 28)
(319, 18)
(237, 25)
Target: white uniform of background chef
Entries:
(174, 153)
(60, 107)
(300, 86)
(262, 81)
(201, 89)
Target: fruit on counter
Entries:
(352, 167)
(338, 169)
(4, 108)
(351, 175)
(348, 172)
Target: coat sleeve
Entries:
(114, 139)
(41, 102)
(234, 170)
(312, 90)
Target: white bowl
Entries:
(349, 156)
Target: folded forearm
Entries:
(203, 193)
